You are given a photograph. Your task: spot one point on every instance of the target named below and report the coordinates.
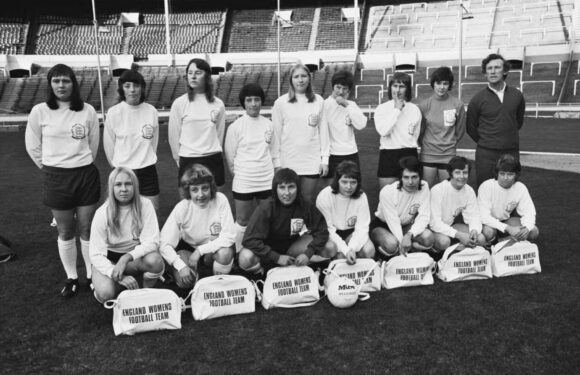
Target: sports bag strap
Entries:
(258, 293)
(185, 305)
(110, 304)
(303, 304)
(363, 296)
(506, 244)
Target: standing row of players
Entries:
(307, 135)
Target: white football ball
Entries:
(342, 292)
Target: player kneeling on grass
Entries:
(503, 197)
(403, 213)
(346, 210)
(454, 210)
(286, 230)
(200, 226)
(124, 239)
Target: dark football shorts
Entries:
(215, 163)
(335, 160)
(148, 180)
(389, 161)
(264, 194)
(68, 188)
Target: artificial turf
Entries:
(518, 325)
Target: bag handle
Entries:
(505, 244)
(258, 293)
(110, 304)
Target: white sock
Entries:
(68, 256)
(256, 268)
(86, 257)
(150, 278)
(222, 269)
(240, 231)
(317, 259)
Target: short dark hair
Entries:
(405, 79)
(496, 56)
(441, 74)
(344, 78)
(412, 164)
(251, 89)
(285, 176)
(133, 76)
(195, 175)
(457, 162)
(76, 102)
(508, 163)
(208, 87)
(348, 169)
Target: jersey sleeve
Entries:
(318, 229)
(257, 233)
(221, 124)
(231, 144)
(358, 118)
(361, 229)
(386, 117)
(33, 137)
(324, 134)
(484, 201)
(109, 137)
(149, 237)
(389, 210)
(324, 205)
(277, 122)
(460, 122)
(170, 236)
(436, 222)
(93, 132)
(424, 214)
(472, 119)
(471, 212)
(526, 209)
(174, 127)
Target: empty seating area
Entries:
(333, 31)
(255, 31)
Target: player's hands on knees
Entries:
(129, 282)
(323, 170)
(523, 234)
(351, 257)
(406, 244)
(463, 238)
(194, 259)
(285, 260)
(513, 231)
(119, 269)
(302, 260)
(185, 278)
(473, 236)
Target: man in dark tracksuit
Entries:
(494, 117)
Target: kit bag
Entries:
(143, 310)
(464, 263)
(415, 269)
(291, 286)
(222, 295)
(356, 272)
(515, 258)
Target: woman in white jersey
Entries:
(247, 149)
(346, 210)
(200, 228)
(124, 239)
(132, 133)
(197, 123)
(62, 138)
(301, 132)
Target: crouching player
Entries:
(200, 226)
(286, 230)
(346, 210)
(454, 210)
(403, 213)
(124, 239)
(500, 199)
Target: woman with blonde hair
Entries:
(124, 239)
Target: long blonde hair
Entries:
(309, 90)
(113, 205)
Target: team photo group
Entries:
(298, 198)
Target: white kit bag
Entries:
(464, 263)
(291, 286)
(415, 269)
(143, 310)
(356, 272)
(515, 258)
(222, 295)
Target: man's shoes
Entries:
(70, 288)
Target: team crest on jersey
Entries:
(351, 221)
(296, 226)
(414, 209)
(268, 136)
(511, 206)
(458, 211)
(347, 121)
(78, 131)
(213, 115)
(411, 127)
(215, 228)
(313, 120)
(147, 131)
